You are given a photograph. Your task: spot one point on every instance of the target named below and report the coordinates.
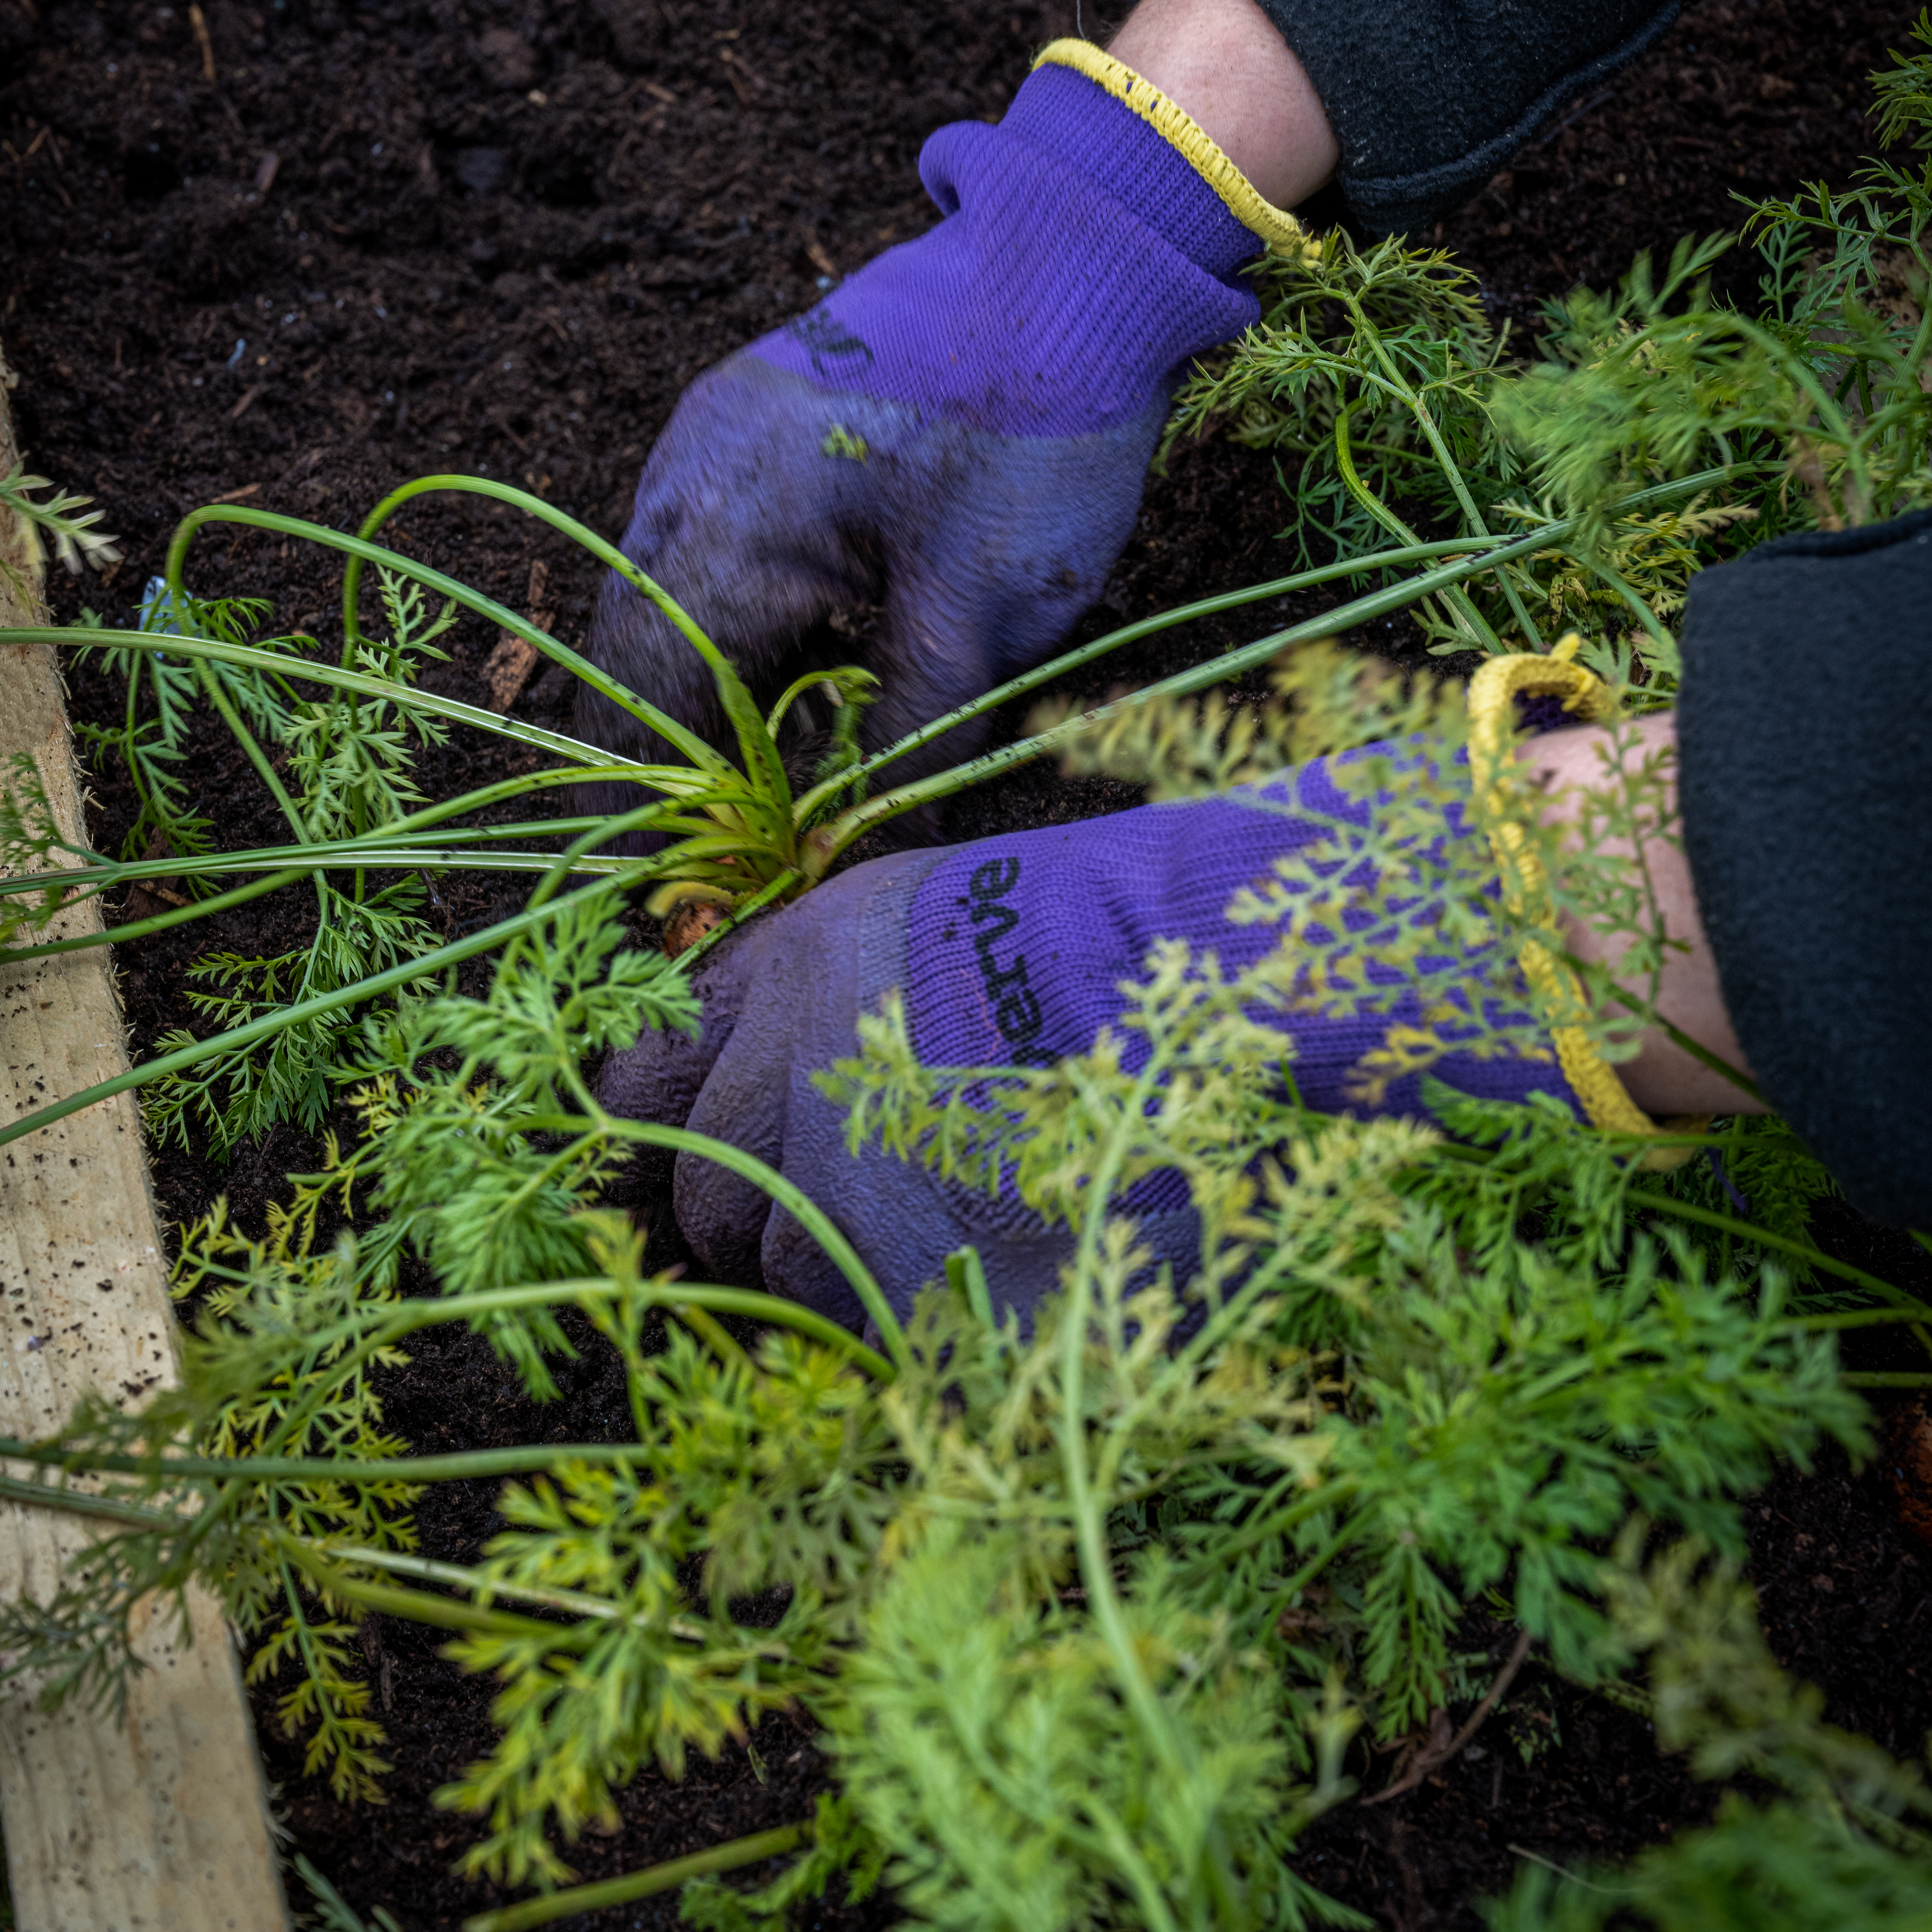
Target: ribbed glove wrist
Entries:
(1090, 249)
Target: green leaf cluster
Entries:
(1375, 374)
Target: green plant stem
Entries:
(561, 864)
(653, 1879)
(763, 764)
(755, 1306)
(792, 1199)
(410, 852)
(403, 975)
(862, 683)
(418, 1606)
(1170, 1743)
(371, 852)
(211, 684)
(365, 849)
(693, 747)
(600, 547)
(246, 739)
(370, 855)
(1145, 627)
(129, 732)
(252, 658)
(460, 1465)
(1747, 1230)
(573, 1603)
(861, 818)
(1473, 623)
(78, 1502)
(1862, 1317)
(1418, 407)
(159, 921)
(713, 1334)
(752, 1303)
(388, 1323)
(1860, 1379)
(788, 1194)
(1119, 1842)
(362, 849)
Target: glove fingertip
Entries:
(659, 1078)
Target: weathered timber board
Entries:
(160, 1825)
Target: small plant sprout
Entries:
(77, 545)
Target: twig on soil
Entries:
(1550, 1864)
(511, 662)
(198, 21)
(507, 669)
(1432, 1757)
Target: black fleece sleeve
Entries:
(1429, 98)
(1805, 749)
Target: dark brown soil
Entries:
(339, 245)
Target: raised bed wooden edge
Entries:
(161, 1824)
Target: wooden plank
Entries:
(160, 1825)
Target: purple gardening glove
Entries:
(1008, 950)
(960, 430)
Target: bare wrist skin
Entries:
(1225, 65)
(1223, 62)
(1662, 1079)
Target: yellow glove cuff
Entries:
(1181, 131)
(1525, 886)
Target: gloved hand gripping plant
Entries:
(1391, 966)
(963, 423)
(1156, 251)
